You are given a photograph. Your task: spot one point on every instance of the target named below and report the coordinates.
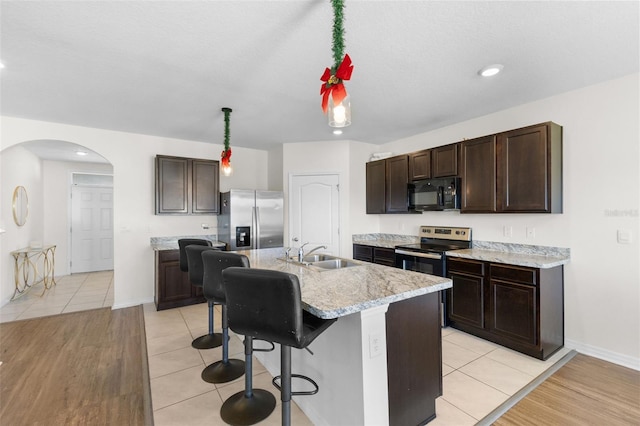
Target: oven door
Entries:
(426, 263)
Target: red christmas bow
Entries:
(333, 83)
(226, 157)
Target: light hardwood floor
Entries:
(81, 368)
(585, 391)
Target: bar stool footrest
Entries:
(263, 349)
(298, 376)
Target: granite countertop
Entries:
(490, 251)
(511, 258)
(172, 246)
(381, 243)
(340, 292)
(171, 243)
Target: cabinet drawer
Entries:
(364, 253)
(469, 266)
(384, 256)
(514, 273)
(169, 255)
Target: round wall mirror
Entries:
(20, 205)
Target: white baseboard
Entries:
(603, 354)
(132, 303)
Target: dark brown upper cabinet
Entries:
(519, 171)
(376, 178)
(187, 186)
(420, 165)
(397, 180)
(386, 182)
(478, 175)
(445, 160)
(529, 169)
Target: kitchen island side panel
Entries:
(414, 359)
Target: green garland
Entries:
(338, 33)
(226, 111)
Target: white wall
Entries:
(19, 167)
(601, 177)
(132, 157)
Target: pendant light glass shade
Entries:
(227, 170)
(339, 115)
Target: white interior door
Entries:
(91, 229)
(314, 211)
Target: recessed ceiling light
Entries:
(82, 153)
(1, 65)
(490, 70)
(337, 132)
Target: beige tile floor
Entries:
(77, 292)
(478, 375)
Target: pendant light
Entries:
(225, 157)
(335, 100)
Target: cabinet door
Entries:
(420, 165)
(376, 187)
(466, 300)
(397, 180)
(445, 161)
(173, 284)
(524, 176)
(478, 173)
(172, 185)
(206, 186)
(513, 311)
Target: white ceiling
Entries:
(166, 68)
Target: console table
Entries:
(26, 271)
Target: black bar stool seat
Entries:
(215, 262)
(266, 304)
(196, 274)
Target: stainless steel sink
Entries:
(322, 262)
(334, 263)
(317, 258)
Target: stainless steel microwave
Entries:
(434, 194)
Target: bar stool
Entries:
(214, 263)
(267, 304)
(196, 273)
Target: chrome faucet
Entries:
(301, 253)
(287, 253)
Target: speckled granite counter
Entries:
(340, 292)
(518, 259)
(515, 254)
(171, 243)
(384, 240)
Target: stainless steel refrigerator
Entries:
(251, 219)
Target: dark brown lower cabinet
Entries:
(173, 288)
(380, 255)
(518, 307)
(414, 359)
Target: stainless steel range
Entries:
(428, 256)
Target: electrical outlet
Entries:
(531, 232)
(507, 231)
(624, 236)
(376, 345)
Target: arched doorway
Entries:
(47, 167)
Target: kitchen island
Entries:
(381, 362)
